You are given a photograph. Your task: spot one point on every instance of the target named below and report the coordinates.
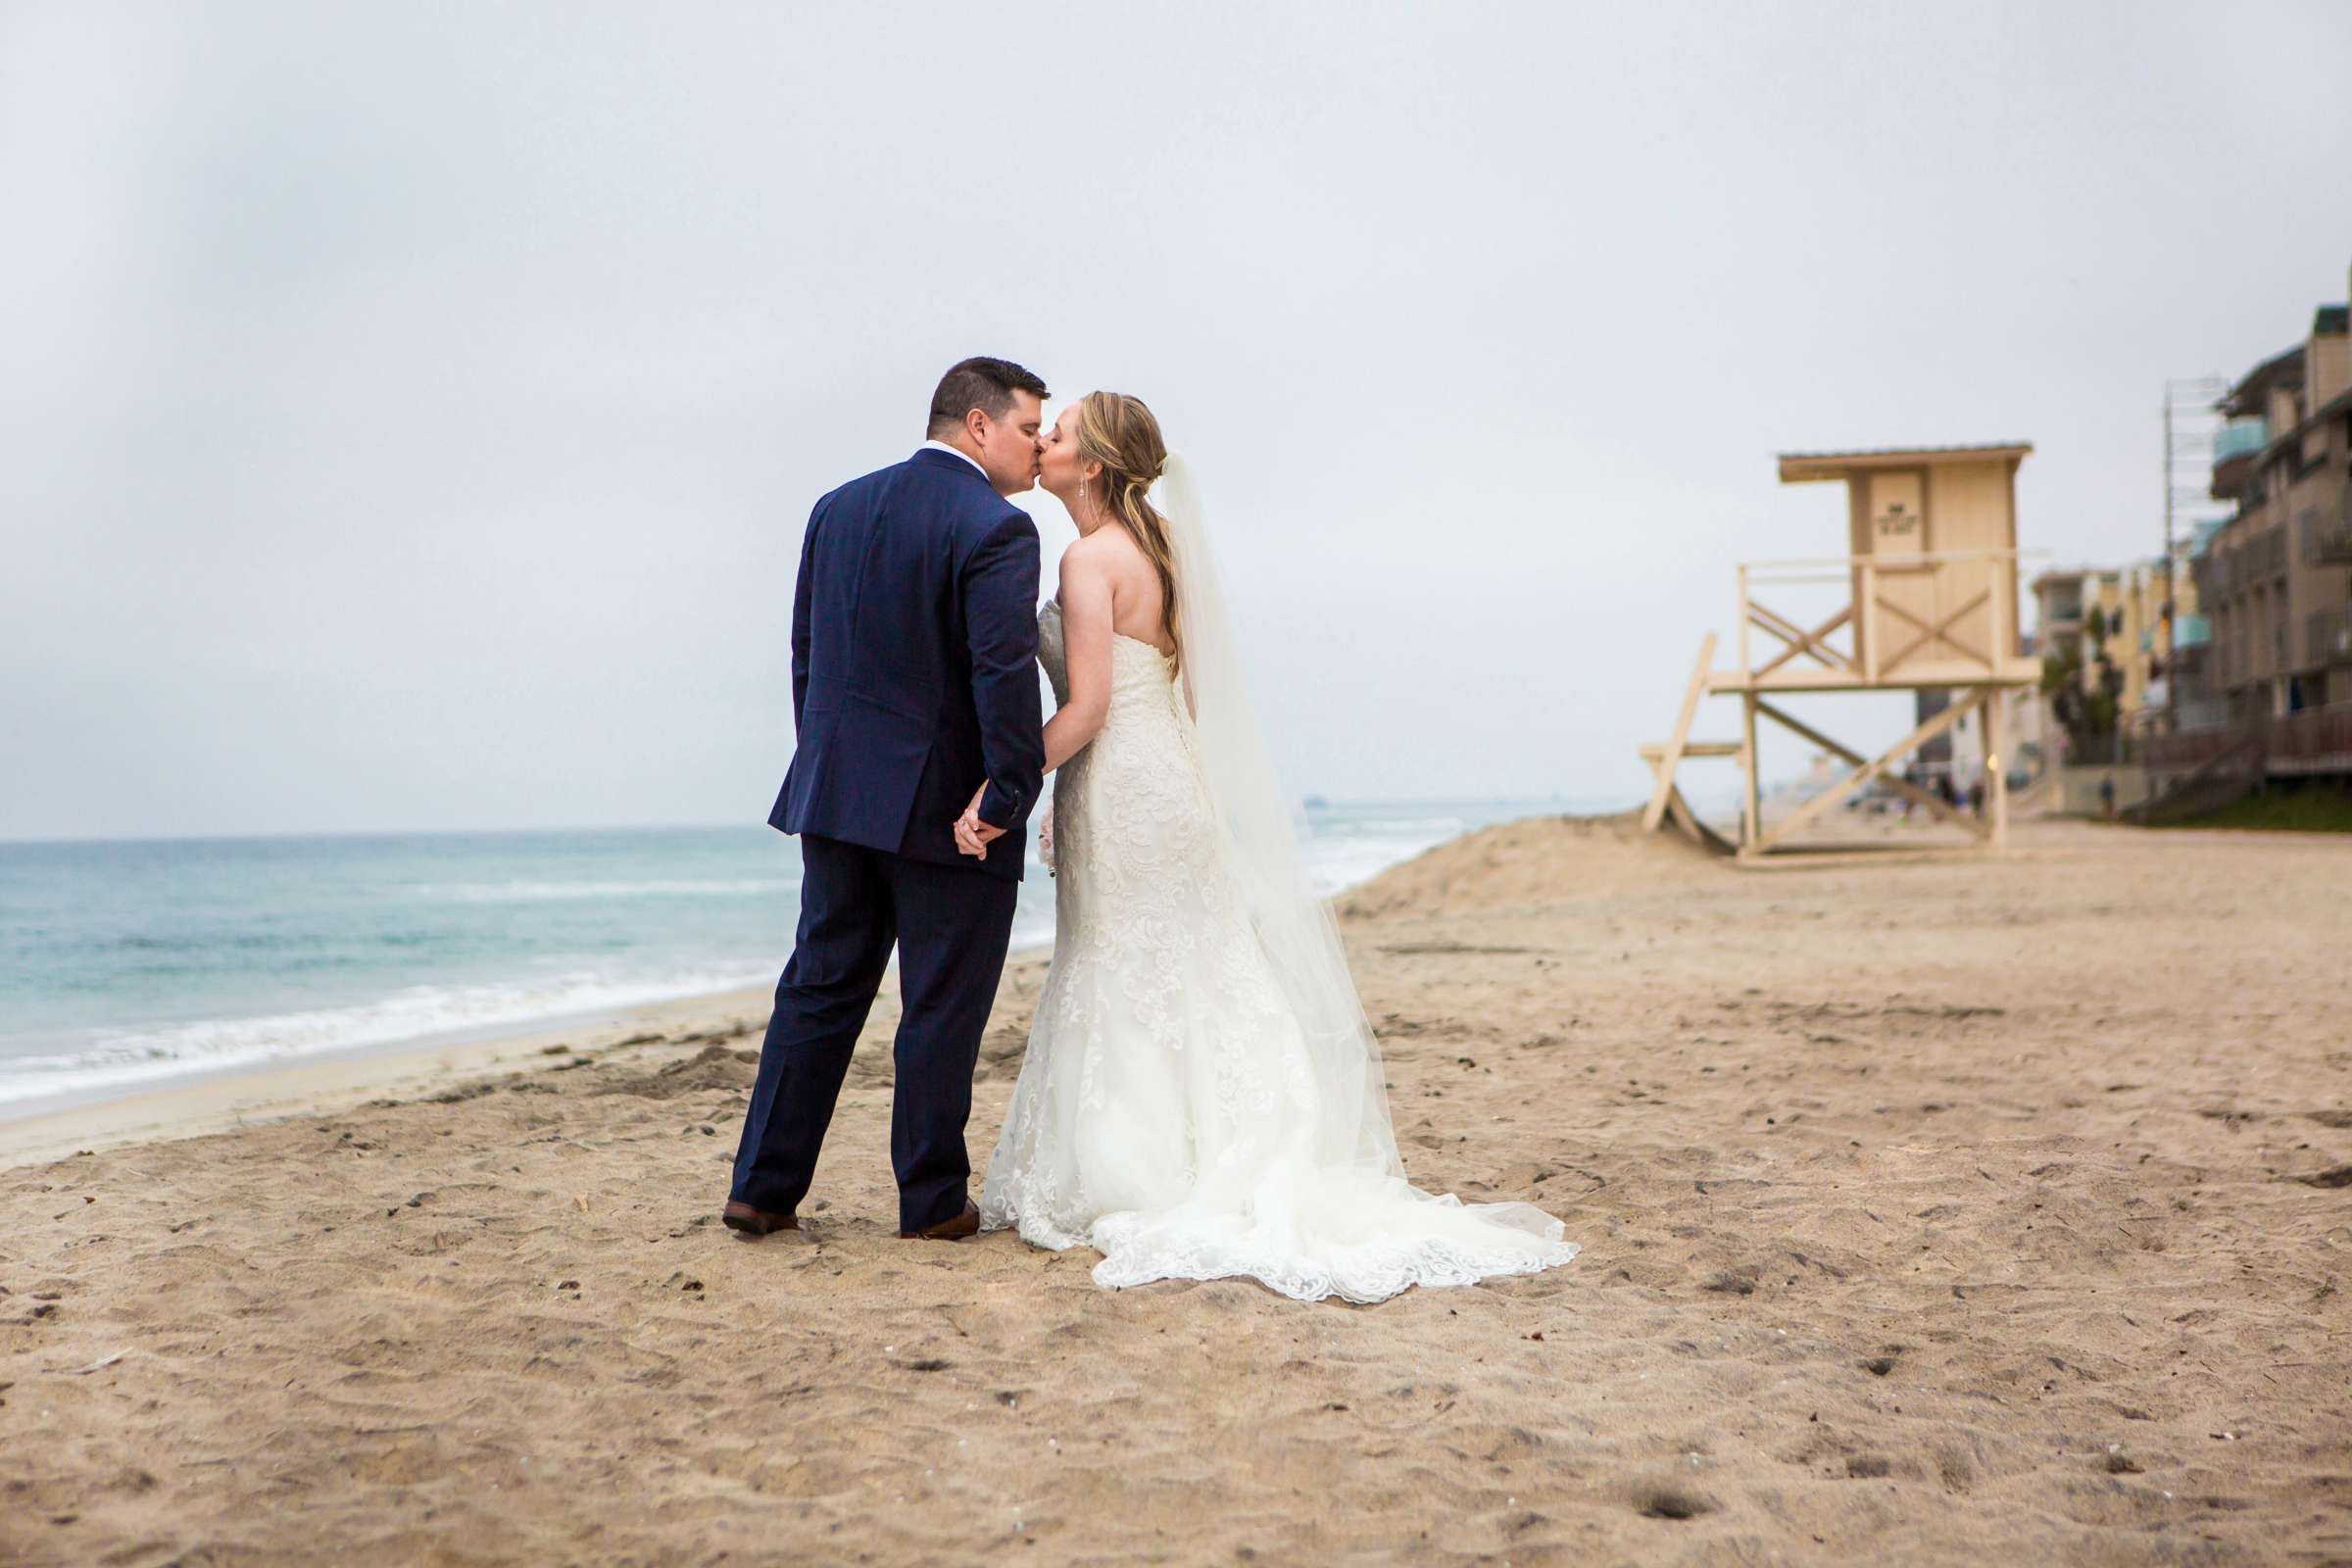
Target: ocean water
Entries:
(123, 964)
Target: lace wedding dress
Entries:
(1173, 1111)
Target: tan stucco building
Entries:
(2275, 578)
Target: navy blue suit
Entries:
(913, 683)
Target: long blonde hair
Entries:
(1120, 433)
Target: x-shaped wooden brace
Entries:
(1894, 781)
(1877, 765)
(1800, 641)
(1940, 632)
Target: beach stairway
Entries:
(2223, 780)
(1666, 801)
(2039, 797)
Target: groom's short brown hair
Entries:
(979, 383)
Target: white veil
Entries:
(1261, 842)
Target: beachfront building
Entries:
(2058, 609)
(2129, 605)
(2081, 635)
(2195, 701)
(2275, 577)
(2109, 624)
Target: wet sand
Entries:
(1946, 1212)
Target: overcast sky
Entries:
(410, 413)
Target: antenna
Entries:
(2193, 423)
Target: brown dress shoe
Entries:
(756, 1221)
(948, 1230)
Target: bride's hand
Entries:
(972, 835)
(1045, 839)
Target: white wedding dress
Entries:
(1178, 1109)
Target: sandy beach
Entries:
(1933, 1212)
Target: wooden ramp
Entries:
(1666, 801)
(1679, 812)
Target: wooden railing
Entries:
(2317, 740)
(1882, 634)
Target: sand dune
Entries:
(1946, 1212)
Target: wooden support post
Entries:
(1752, 821)
(1866, 621)
(1745, 666)
(2002, 606)
(1996, 754)
(1672, 757)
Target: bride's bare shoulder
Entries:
(1106, 553)
(1087, 578)
(1103, 542)
(1111, 548)
(1087, 555)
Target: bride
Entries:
(1201, 1095)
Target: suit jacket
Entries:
(914, 666)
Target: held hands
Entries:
(974, 836)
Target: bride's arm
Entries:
(1086, 642)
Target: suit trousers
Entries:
(952, 925)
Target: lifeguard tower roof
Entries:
(1799, 467)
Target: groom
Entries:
(914, 684)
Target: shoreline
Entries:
(216, 1100)
(133, 1099)
(191, 1104)
(210, 1099)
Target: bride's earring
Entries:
(1081, 495)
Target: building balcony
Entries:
(2240, 438)
(2192, 631)
(2230, 478)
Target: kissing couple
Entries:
(1201, 1095)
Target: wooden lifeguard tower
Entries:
(1930, 586)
